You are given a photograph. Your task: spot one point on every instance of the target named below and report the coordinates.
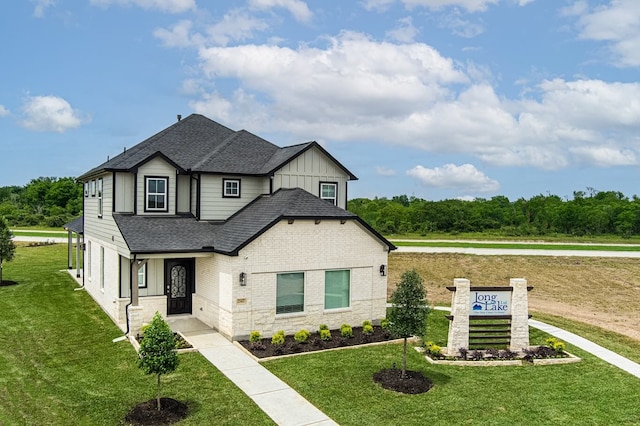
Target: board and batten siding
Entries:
(156, 167)
(213, 206)
(307, 170)
(155, 278)
(124, 192)
(183, 193)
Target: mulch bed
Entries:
(264, 348)
(7, 283)
(413, 383)
(146, 413)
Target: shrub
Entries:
(278, 338)
(323, 327)
(366, 323)
(555, 344)
(302, 336)
(367, 329)
(476, 355)
(384, 323)
(325, 334)
(255, 337)
(464, 353)
(493, 352)
(508, 354)
(346, 330)
(434, 350)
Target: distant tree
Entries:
(408, 316)
(158, 354)
(7, 247)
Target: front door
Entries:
(178, 285)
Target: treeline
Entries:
(45, 201)
(588, 213)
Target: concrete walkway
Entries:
(604, 354)
(284, 405)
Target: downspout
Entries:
(126, 308)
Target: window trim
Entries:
(86, 189)
(166, 194)
(100, 193)
(325, 290)
(102, 269)
(224, 188)
(143, 268)
(93, 188)
(303, 294)
(333, 200)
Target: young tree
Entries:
(408, 316)
(7, 247)
(158, 354)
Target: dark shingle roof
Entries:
(76, 225)
(199, 144)
(149, 234)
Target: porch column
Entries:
(77, 255)
(69, 249)
(134, 283)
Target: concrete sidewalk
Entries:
(284, 405)
(587, 345)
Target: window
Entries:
(89, 259)
(290, 293)
(93, 188)
(100, 197)
(156, 194)
(86, 189)
(101, 268)
(231, 188)
(142, 276)
(328, 191)
(337, 288)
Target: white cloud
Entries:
(469, 5)
(405, 32)
(377, 5)
(170, 6)
(463, 178)
(178, 36)
(384, 171)
(297, 8)
(604, 156)
(617, 24)
(41, 6)
(459, 26)
(4, 111)
(235, 26)
(50, 114)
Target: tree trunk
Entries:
(404, 359)
(158, 397)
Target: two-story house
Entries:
(231, 229)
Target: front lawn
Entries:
(340, 384)
(58, 365)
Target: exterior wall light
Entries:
(243, 278)
(383, 270)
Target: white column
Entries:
(519, 314)
(459, 325)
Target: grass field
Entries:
(58, 365)
(340, 384)
(520, 245)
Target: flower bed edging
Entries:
(570, 358)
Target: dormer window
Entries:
(156, 194)
(329, 192)
(231, 188)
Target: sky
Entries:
(436, 99)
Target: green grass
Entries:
(35, 233)
(497, 236)
(340, 383)
(522, 246)
(58, 365)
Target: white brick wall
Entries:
(299, 247)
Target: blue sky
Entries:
(431, 98)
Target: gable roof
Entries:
(199, 144)
(151, 234)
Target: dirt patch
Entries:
(600, 291)
(412, 383)
(147, 414)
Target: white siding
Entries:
(155, 279)
(106, 297)
(213, 206)
(124, 192)
(157, 168)
(308, 170)
(194, 196)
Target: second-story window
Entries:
(329, 192)
(156, 194)
(100, 197)
(231, 188)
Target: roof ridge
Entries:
(217, 149)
